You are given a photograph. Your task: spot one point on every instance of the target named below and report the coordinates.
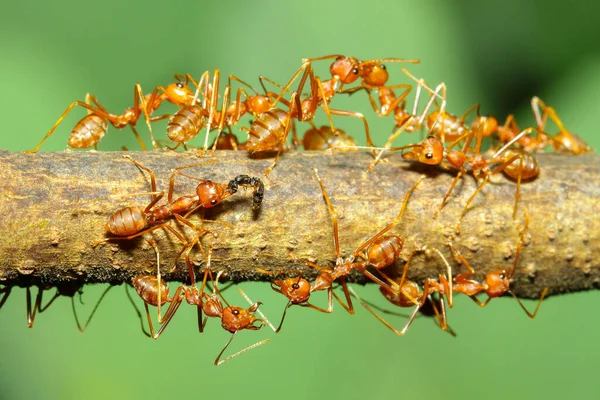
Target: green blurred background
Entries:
(496, 53)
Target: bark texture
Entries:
(53, 207)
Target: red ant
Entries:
(233, 319)
(497, 282)
(131, 222)
(405, 121)
(406, 293)
(564, 141)
(298, 291)
(379, 251)
(344, 70)
(92, 128)
(510, 130)
(189, 120)
(69, 289)
(431, 151)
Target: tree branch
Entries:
(50, 214)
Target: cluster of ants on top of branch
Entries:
(453, 142)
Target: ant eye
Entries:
(180, 85)
(214, 202)
(235, 312)
(295, 286)
(355, 71)
(383, 66)
(429, 156)
(502, 276)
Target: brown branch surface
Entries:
(51, 212)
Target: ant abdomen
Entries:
(185, 124)
(126, 221)
(385, 250)
(88, 132)
(529, 168)
(146, 287)
(266, 131)
(323, 138)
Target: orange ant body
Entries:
(233, 319)
(189, 120)
(406, 293)
(515, 163)
(344, 70)
(497, 282)
(131, 222)
(407, 121)
(379, 251)
(323, 138)
(92, 128)
(564, 141)
(298, 291)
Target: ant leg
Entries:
(449, 192)
(348, 305)
(536, 103)
(138, 312)
(357, 115)
(537, 307)
(459, 257)
(177, 299)
(334, 219)
(213, 106)
(479, 302)
(272, 82)
(305, 65)
(263, 316)
(441, 317)
(82, 329)
(217, 362)
(36, 306)
(395, 221)
(6, 290)
(465, 209)
(288, 305)
(138, 97)
(383, 321)
(446, 282)
(222, 116)
(148, 170)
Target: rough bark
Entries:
(51, 212)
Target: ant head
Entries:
(498, 282)
(347, 69)
(179, 93)
(400, 297)
(430, 151)
(296, 289)
(374, 74)
(236, 318)
(485, 125)
(211, 193)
